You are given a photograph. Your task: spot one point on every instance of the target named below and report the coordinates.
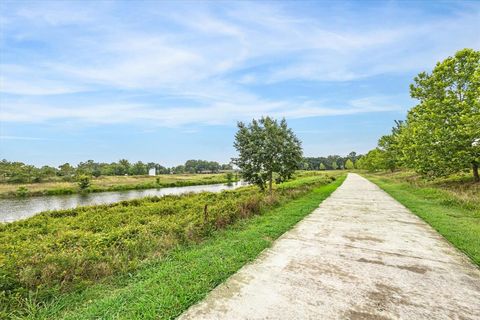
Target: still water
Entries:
(21, 208)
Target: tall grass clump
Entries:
(457, 189)
(56, 252)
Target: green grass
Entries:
(455, 218)
(144, 259)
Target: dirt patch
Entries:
(383, 299)
(359, 315)
(371, 261)
(416, 269)
(382, 296)
(408, 222)
(363, 238)
(316, 268)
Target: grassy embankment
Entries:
(148, 258)
(112, 183)
(451, 205)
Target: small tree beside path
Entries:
(267, 150)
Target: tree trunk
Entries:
(271, 183)
(476, 177)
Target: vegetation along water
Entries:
(57, 252)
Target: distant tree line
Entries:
(19, 172)
(200, 166)
(332, 162)
(441, 134)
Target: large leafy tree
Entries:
(349, 164)
(390, 144)
(374, 160)
(267, 150)
(442, 129)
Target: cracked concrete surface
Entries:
(360, 255)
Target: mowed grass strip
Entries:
(457, 221)
(165, 288)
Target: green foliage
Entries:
(334, 165)
(266, 149)
(83, 182)
(199, 166)
(440, 135)
(66, 170)
(168, 284)
(22, 192)
(139, 168)
(373, 161)
(349, 165)
(441, 129)
(229, 177)
(390, 145)
(388, 154)
(120, 184)
(18, 172)
(327, 163)
(61, 251)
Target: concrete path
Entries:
(360, 255)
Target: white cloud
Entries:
(209, 57)
(216, 113)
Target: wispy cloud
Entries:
(216, 113)
(215, 59)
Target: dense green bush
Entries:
(440, 135)
(22, 192)
(83, 182)
(58, 251)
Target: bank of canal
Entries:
(22, 208)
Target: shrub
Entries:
(69, 249)
(22, 192)
(83, 182)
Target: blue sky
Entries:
(167, 81)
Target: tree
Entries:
(322, 166)
(196, 166)
(334, 165)
(123, 167)
(267, 148)
(390, 144)
(47, 171)
(349, 164)
(441, 130)
(229, 177)
(178, 169)
(374, 160)
(353, 156)
(83, 182)
(139, 168)
(226, 166)
(86, 168)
